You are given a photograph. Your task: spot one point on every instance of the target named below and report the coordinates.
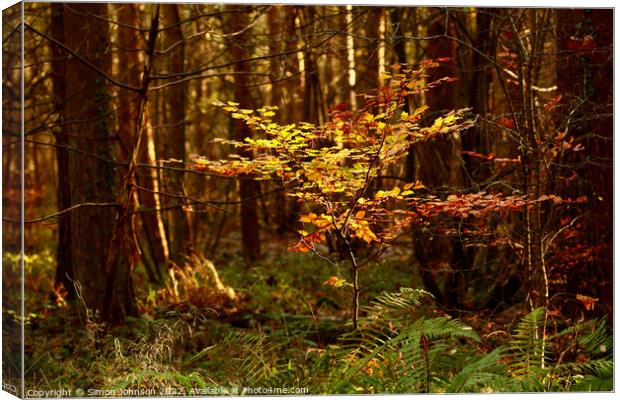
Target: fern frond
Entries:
(405, 298)
(598, 342)
(600, 379)
(528, 349)
(479, 373)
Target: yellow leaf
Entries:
(311, 217)
(366, 234)
(420, 110)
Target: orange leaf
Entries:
(587, 301)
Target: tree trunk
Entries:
(476, 171)
(64, 267)
(87, 112)
(399, 29)
(131, 41)
(440, 152)
(248, 188)
(439, 166)
(371, 78)
(276, 100)
(174, 138)
(350, 45)
(292, 102)
(294, 90)
(314, 106)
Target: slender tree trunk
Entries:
(196, 184)
(248, 188)
(527, 65)
(174, 138)
(479, 80)
(276, 97)
(314, 106)
(131, 41)
(123, 236)
(399, 28)
(293, 88)
(151, 181)
(64, 266)
(293, 85)
(374, 49)
(351, 74)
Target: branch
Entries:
(84, 61)
(198, 72)
(59, 213)
(145, 30)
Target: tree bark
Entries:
(399, 29)
(131, 41)
(276, 100)
(92, 181)
(478, 81)
(439, 166)
(248, 188)
(64, 266)
(174, 138)
(371, 78)
(314, 107)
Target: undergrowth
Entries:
(290, 332)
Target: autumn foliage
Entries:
(335, 171)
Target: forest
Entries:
(229, 199)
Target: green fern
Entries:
(535, 364)
(528, 350)
(481, 373)
(393, 352)
(594, 372)
(600, 379)
(398, 350)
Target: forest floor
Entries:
(288, 329)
